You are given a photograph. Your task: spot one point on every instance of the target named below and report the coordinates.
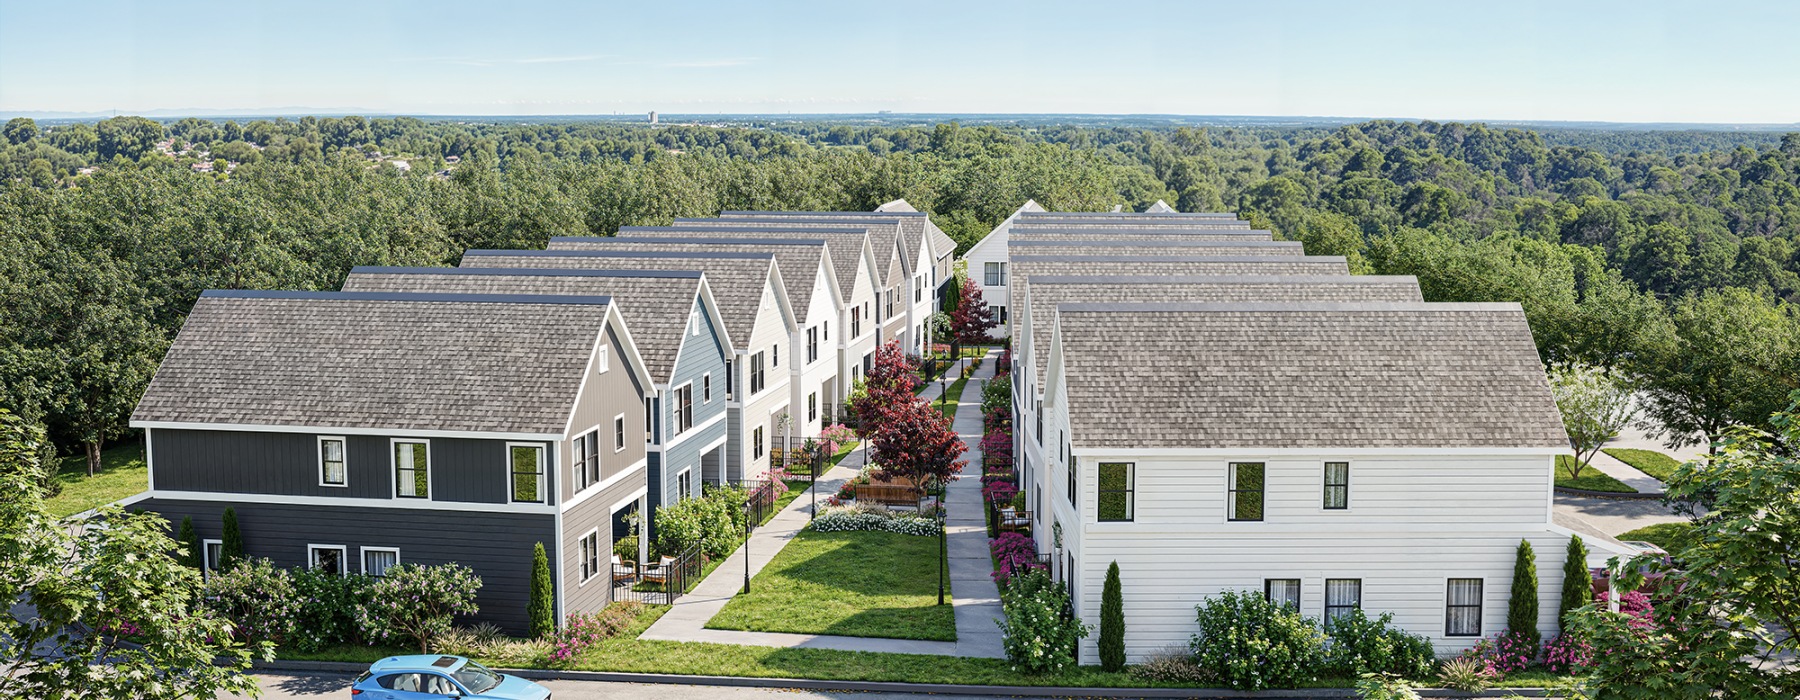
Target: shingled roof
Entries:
(1025, 266)
(1126, 215)
(1109, 224)
(843, 246)
(910, 226)
(1263, 375)
(735, 279)
(1113, 246)
(501, 364)
(1139, 234)
(799, 258)
(880, 237)
(654, 303)
(1046, 292)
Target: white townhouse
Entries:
(1387, 456)
(987, 263)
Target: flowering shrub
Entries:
(1037, 637)
(415, 604)
(328, 617)
(257, 598)
(999, 492)
(853, 518)
(834, 437)
(1248, 642)
(1361, 645)
(847, 492)
(582, 631)
(1568, 653)
(1014, 554)
(1503, 653)
(1633, 603)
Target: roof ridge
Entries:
(1283, 306)
(523, 271)
(595, 300)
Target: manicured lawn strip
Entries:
(855, 584)
(1672, 537)
(948, 408)
(122, 473)
(1590, 480)
(1656, 464)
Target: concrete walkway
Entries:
(1637, 480)
(932, 390)
(974, 596)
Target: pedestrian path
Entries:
(934, 388)
(976, 600)
(1611, 466)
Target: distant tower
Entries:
(652, 117)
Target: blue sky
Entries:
(1569, 60)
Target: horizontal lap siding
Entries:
(229, 461)
(595, 512)
(497, 546)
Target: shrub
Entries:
(1112, 622)
(1577, 583)
(1250, 643)
(626, 548)
(582, 631)
(716, 519)
(231, 543)
(191, 554)
(1568, 653)
(257, 598)
(1503, 653)
(1362, 645)
(1014, 554)
(1384, 686)
(328, 615)
(1522, 607)
(1037, 637)
(540, 607)
(1467, 674)
(999, 492)
(853, 518)
(1172, 665)
(996, 395)
(414, 604)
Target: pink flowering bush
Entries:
(580, 631)
(1503, 653)
(1013, 554)
(999, 492)
(1633, 603)
(1568, 653)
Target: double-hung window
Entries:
(855, 322)
(996, 274)
(812, 407)
(756, 373)
(1337, 485)
(756, 443)
(326, 558)
(526, 462)
(1284, 591)
(775, 355)
(213, 552)
(585, 466)
(590, 555)
(706, 388)
(684, 408)
(1245, 501)
(1342, 595)
(1462, 608)
(1000, 315)
(1116, 492)
(412, 469)
(331, 462)
(812, 344)
(684, 484)
(377, 560)
(618, 432)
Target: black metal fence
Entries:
(837, 413)
(760, 503)
(660, 582)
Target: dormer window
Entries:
(602, 360)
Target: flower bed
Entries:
(874, 518)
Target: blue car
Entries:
(435, 676)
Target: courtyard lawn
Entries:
(1590, 480)
(855, 584)
(1658, 465)
(1672, 537)
(955, 392)
(122, 473)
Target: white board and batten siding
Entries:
(815, 377)
(993, 249)
(771, 330)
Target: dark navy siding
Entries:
(227, 461)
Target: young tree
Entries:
(1112, 622)
(231, 544)
(915, 442)
(540, 608)
(971, 320)
(189, 553)
(889, 385)
(1577, 585)
(1596, 405)
(1522, 607)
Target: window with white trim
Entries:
(826, 327)
(706, 388)
(1116, 493)
(328, 558)
(999, 315)
(1337, 486)
(995, 273)
(855, 322)
(412, 469)
(331, 462)
(756, 373)
(1285, 591)
(1462, 607)
(684, 484)
(812, 344)
(526, 466)
(812, 407)
(377, 560)
(618, 432)
(1245, 500)
(585, 465)
(684, 408)
(1342, 595)
(756, 443)
(213, 552)
(590, 555)
(775, 355)
(602, 362)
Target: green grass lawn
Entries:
(122, 473)
(954, 393)
(1656, 464)
(1672, 537)
(856, 584)
(1590, 480)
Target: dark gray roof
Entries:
(1163, 247)
(736, 279)
(654, 303)
(1025, 266)
(1046, 292)
(1171, 231)
(798, 259)
(402, 362)
(1106, 225)
(1092, 235)
(1147, 216)
(1263, 375)
(908, 226)
(845, 243)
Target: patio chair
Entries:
(623, 571)
(1011, 519)
(659, 572)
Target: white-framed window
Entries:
(525, 470)
(1337, 486)
(211, 551)
(584, 465)
(412, 468)
(1117, 492)
(756, 373)
(856, 321)
(619, 432)
(775, 355)
(590, 554)
(694, 322)
(1285, 591)
(812, 344)
(995, 274)
(332, 471)
(602, 360)
(812, 407)
(328, 558)
(825, 327)
(1341, 596)
(377, 560)
(1462, 607)
(1000, 315)
(706, 388)
(756, 443)
(684, 484)
(1244, 502)
(684, 407)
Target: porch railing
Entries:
(659, 582)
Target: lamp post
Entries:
(817, 466)
(943, 539)
(748, 526)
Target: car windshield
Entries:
(477, 678)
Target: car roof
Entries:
(443, 663)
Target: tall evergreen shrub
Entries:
(1112, 622)
(1522, 609)
(231, 545)
(1577, 585)
(191, 553)
(540, 608)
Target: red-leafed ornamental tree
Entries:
(890, 384)
(916, 443)
(971, 320)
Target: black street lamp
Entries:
(943, 538)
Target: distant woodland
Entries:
(1672, 256)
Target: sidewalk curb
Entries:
(1634, 496)
(916, 688)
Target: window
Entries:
(328, 558)
(684, 484)
(996, 274)
(706, 388)
(1038, 415)
(918, 289)
(756, 373)
(618, 432)
(1341, 596)
(590, 554)
(1246, 499)
(890, 305)
(1337, 485)
(826, 327)
(1285, 591)
(412, 469)
(601, 361)
(527, 466)
(812, 407)
(812, 345)
(1462, 608)
(331, 462)
(585, 466)
(756, 443)
(1000, 315)
(212, 551)
(1116, 497)
(868, 363)
(775, 355)
(684, 408)
(649, 421)
(377, 560)
(855, 322)
(730, 380)
(694, 322)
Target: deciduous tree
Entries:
(1596, 404)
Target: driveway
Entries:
(1614, 516)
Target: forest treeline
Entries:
(1675, 262)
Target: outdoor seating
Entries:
(893, 495)
(659, 572)
(623, 571)
(1014, 520)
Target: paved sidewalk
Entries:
(1611, 466)
(934, 388)
(977, 599)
